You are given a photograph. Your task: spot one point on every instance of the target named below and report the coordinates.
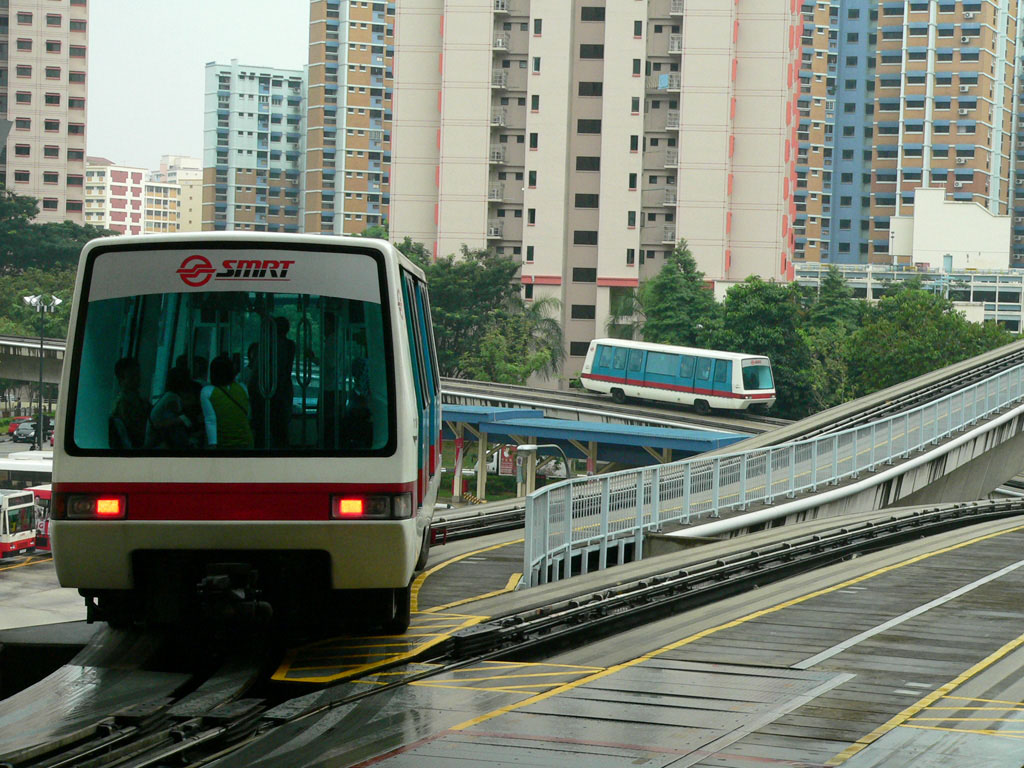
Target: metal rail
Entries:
(595, 520)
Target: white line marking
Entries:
(846, 644)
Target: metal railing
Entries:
(599, 518)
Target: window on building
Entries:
(21, 177)
(23, 45)
(630, 257)
(591, 50)
(582, 312)
(586, 88)
(532, 182)
(638, 29)
(588, 126)
(588, 163)
(536, 64)
(586, 200)
(534, 141)
(534, 102)
(77, 51)
(76, 129)
(76, 154)
(637, 67)
(538, 24)
(53, 46)
(528, 292)
(591, 13)
(50, 177)
(73, 206)
(51, 151)
(74, 180)
(23, 17)
(22, 150)
(23, 97)
(78, 25)
(76, 77)
(53, 73)
(584, 237)
(76, 102)
(52, 99)
(631, 219)
(53, 19)
(49, 204)
(632, 181)
(52, 126)
(23, 123)
(634, 143)
(634, 105)
(23, 70)
(584, 275)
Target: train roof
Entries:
(261, 239)
(672, 349)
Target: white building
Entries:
(119, 198)
(950, 234)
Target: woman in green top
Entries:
(226, 408)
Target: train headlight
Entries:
(382, 507)
(88, 507)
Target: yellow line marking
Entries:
(29, 562)
(509, 677)
(981, 731)
(728, 625)
(966, 719)
(987, 701)
(424, 684)
(417, 583)
(934, 696)
(978, 709)
(513, 581)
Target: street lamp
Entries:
(42, 306)
(533, 449)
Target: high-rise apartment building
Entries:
(43, 66)
(253, 148)
(899, 95)
(588, 137)
(175, 168)
(348, 134)
(120, 198)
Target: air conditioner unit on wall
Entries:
(957, 184)
(968, 14)
(965, 88)
(961, 161)
(962, 111)
(965, 39)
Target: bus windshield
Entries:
(245, 363)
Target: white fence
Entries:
(604, 518)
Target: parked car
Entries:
(25, 433)
(15, 422)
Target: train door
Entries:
(702, 374)
(433, 377)
(635, 367)
(687, 364)
(722, 383)
(420, 384)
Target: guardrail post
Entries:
(545, 530)
(638, 531)
(792, 471)
(768, 495)
(856, 460)
(906, 435)
(835, 460)
(890, 448)
(686, 491)
(656, 500)
(743, 481)
(606, 502)
(528, 571)
(814, 465)
(871, 453)
(568, 530)
(716, 481)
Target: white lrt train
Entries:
(247, 422)
(703, 378)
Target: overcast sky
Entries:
(146, 67)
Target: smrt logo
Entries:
(196, 271)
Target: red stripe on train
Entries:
(674, 387)
(229, 501)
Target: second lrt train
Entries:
(304, 480)
(703, 378)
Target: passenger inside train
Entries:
(289, 373)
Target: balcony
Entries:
(670, 198)
(672, 158)
(501, 43)
(496, 193)
(501, 6)
(669, 235)
(675, 43)
(676, 8)
(497, 155)
(499, 118)
(494, 230)
(672, 119)
(499, 80)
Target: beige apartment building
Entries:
(348, 119)
(43, 66)
(587, 137)
(122, 199)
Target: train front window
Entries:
(757, 375)
(234, 369)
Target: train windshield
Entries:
(757, 374)
(275, 352)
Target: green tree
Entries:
(911, 332)
(673, 307)
(763, 318)
(833, 304)
(415, 251)
(828, 347)
(26, 245)
(376, 230)
(517, 345)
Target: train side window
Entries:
(636, 360)
(620, 359)
(722, 370)
(606, 357)
(704, 368)
(686, 367)
(662, 364)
